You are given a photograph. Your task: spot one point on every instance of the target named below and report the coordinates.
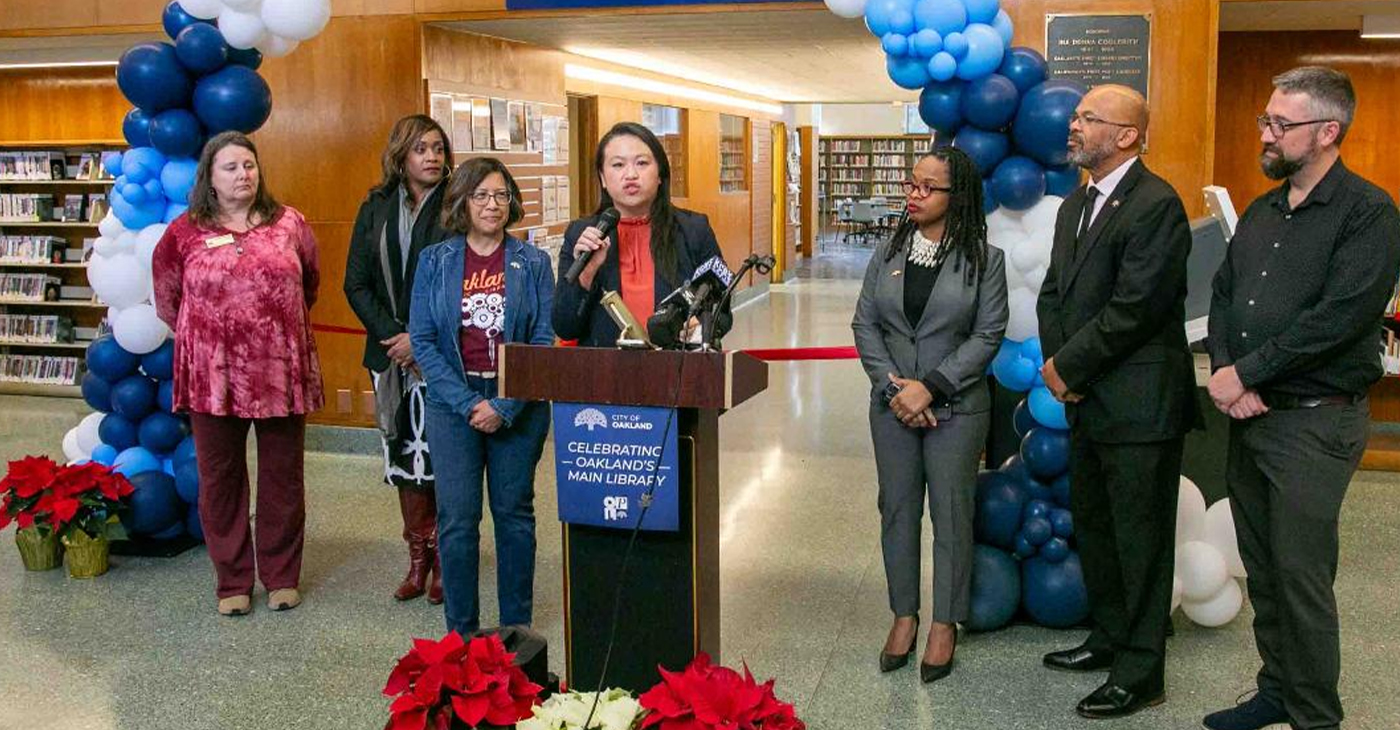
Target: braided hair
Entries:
(965, 223)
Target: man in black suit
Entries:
(1112, 324)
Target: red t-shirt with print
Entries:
(483, 308)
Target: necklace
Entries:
(925, 252)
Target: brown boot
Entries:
(435, 588)
(419, 510)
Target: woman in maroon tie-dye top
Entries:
(235, 278)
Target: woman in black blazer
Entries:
(654, 250)
(401, 216)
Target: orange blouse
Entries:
(638, 272)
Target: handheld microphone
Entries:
(606, 222)
(702, 290)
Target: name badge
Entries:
(218, 241)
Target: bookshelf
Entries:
(863, 167)
(733, 154)
(51, 197)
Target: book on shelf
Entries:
(96, 207)
(32, 166)
(26, 207)
(75, 255)
(76, 294)
(39, 369)
(31, 249)
(35, 329)
(74, 208)
(29, 287)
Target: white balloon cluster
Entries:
(1208, 564)
(120, 274)
(1026, 238)
(847, 8)
(274, 27)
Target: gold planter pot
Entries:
(38, 551)
(87, 556)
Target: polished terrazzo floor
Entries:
(804, 597)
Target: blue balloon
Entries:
(989, 198)
(176, 133)
(140, 164)
(165, 396)
(1041, 128)
(1025, 67)
(1031, 350)
(1062, 522)
(1014, 374)
(136, 460)
(136, 216)
(192, 523)
(1037, 531)
(1060, 489)
(985, 49)
(1037, 490)
(940, 106)
(982, 11)
(175, 20)
(171, 532)
(1021, 420)
(895, 44)
(184, 452)
(187, 481)
(943, 16)
(154, 506)
(117, 430)
(112, 163)
(1053, 594)
(881, 16)
(234, 97)
(990, 102)
(902, 20)
(104, 454)
(97, 393)
(173, 211)
(996, 589)
(908, 73)
(160, 362)
(134, 396)
(151, 76)
(161, 432)
(153, 190)
(1000, 498)
(1024, 548)
(177, 177)
(202, 49)
(942, 67)
(1004, 27)
(1061, 181)
(987, 149)
(925, 43)
(1047, 410)
(108, 360)
(1035, 508)
(167, 466)
(136, 128)
(1019, 183)
(247, 57)
(956, 45)
(1046, 452)
(135, 194)
(1055, 550)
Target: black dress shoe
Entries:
(891, 662)
(930, 673)
(1110, 701)
(1079, 659)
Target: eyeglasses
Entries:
(1090, 118)
(923, 189)
(502, 197)
(1279, 128)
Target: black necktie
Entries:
(1090, 196)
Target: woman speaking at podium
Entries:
(929, 319)
(654, 249)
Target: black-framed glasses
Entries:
(1091, 118)
(502, 197)
(923, 189)
(1280, 128)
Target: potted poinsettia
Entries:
(612, 709)
(75, 505)
(453, 683)
(707, 697)
(27, 501)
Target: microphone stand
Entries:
(708, 317)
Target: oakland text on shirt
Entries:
(482, 281)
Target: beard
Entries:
(1280, 166)
(1088, 156)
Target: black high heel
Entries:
(929, 673)
(891, 662)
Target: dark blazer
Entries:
(577, 315)
(365, 286)
(1113, 317)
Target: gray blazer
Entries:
(953, 343)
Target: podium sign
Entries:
(607, 457)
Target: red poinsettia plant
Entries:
(708, 697)
(473, 682)
(36, 491)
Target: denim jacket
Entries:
(435, 318)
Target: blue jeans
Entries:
(461, 454)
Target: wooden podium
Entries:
(670, 599)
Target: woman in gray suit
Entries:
(930, 318)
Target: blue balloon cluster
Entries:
(1017, 367)
(142, 437)
(939, 40)
(184, 93)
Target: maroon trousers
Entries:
(221, 444)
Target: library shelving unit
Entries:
(863, 167)
(47, 312)
(733, 154)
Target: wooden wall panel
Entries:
(523, 71)
(807, 138)
(125, 12)
(760, 191)
(61, 104)
(1248, 62)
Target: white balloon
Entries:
(1190, 512)
(1219, 531)
(846, 8)
(1176, 592)
(111, 226)
(244, 6)
(1001, 223)
(71, 450)
(119, 281)
(87, 432)
(296, 20)
(1041, 216)
(1015, 279)
(146, 242)
(1202, 570)
(1023, 323)
(203, 9)
(1218, 610)
(276, 46)
(139, 330)
(1036, 278)
(242, 30)
(1026, 256)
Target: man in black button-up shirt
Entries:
(1294, 345)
